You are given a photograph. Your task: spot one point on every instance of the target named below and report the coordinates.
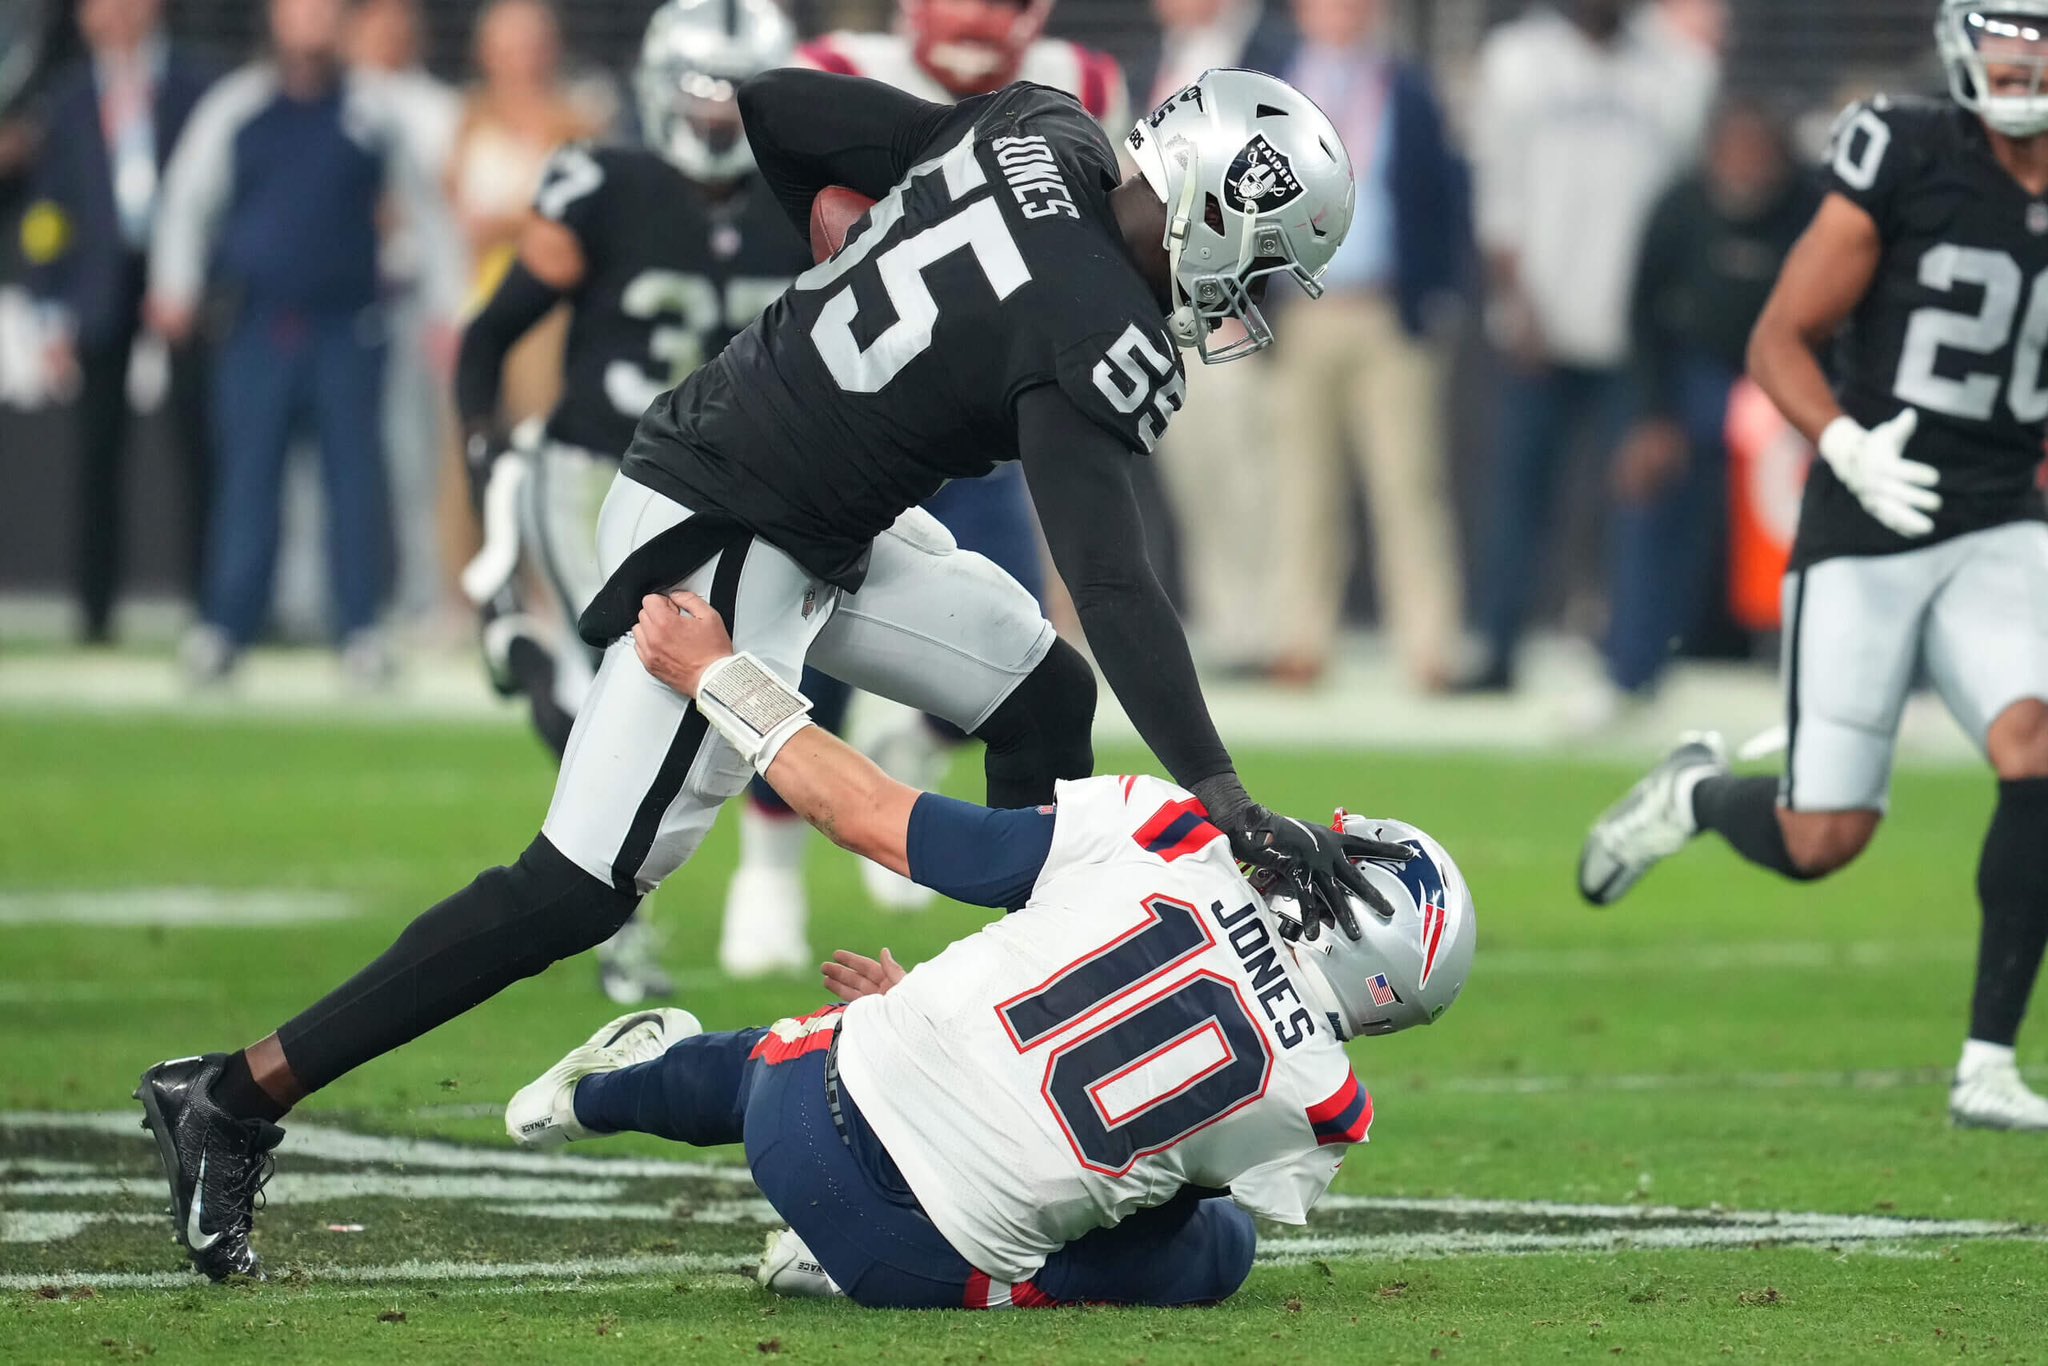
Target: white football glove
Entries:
(1872, 462)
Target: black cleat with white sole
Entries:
(217, 1164)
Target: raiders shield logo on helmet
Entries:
(1261, 179)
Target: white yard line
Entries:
(556, 1187)
(1696, 958)
(105, 989)
(174, 907)
(339, 1145)
(693, 1263)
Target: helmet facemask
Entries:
(1404, 970)
(692, 118)
(692, 61)
(1996, 56)
(1255, 185)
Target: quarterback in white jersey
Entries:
(1084, 1101)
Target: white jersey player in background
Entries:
(943, 51)
(1086, 1101)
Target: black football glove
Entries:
(1317, 861)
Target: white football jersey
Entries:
(1137, 1027)
(1089, 76)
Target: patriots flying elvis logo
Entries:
(1425, 882)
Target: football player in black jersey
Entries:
(664, 252)
(1921, 543)
(1007, 298)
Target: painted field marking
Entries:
(688, 1263)
(339, 1145)
(175, 907)
(1851, 1079)
(1695, 958)
(29, 993)
(554, 1187)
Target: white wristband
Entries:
(751, 707)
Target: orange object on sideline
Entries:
(1767, 465)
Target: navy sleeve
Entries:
(977, 854)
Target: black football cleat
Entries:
(217, 1165)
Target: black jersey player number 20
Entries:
(1949, 268)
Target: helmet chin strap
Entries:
(1184, 322)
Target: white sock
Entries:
(776, 841)
(1979, 1056)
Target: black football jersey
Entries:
(671, 275)
(994, 266)
(1954, 324)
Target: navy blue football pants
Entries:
(841, 1192)
(280, 370)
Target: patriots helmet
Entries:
(1996, 55)
(692, 61)
(973, 46)
(1256, 183)
(1403, 971)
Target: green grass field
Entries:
(1710, 1124)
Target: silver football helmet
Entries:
(1401, 972)
(692, 61)
(1256, 183)
(1996, 54)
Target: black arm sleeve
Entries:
(1080, 477)
(812, 129)
(521, 300)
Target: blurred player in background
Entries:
(942, 51)
(1139, 1057)
(663, 251)
(1921, 546)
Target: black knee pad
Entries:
(1043, 731)
(1052, 711)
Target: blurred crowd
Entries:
(1558, 266)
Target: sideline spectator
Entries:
(277, 191)
(385, 38)
(1363, 368)
(1225, 557)
(515, 116)
(1586, 113)
(109, 126)
(1710, 256)
(513, 119)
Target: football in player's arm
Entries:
(1921, 545)
(1139, 1049)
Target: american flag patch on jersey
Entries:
(1344, 1117)
(1382, 992)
